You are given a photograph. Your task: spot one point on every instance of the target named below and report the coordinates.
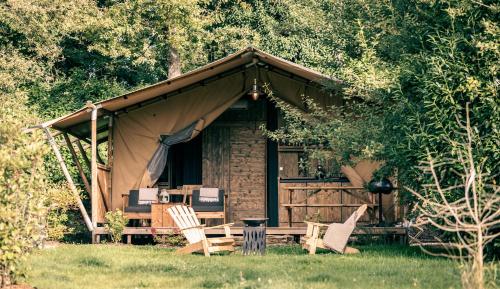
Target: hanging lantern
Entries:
(254, 93)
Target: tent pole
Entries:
(72, 186)
(77, 162)
(93, 162)
(110, 158)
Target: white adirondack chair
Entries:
(335, 237)
(185, 218)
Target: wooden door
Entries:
(234, 159)
(215, 157)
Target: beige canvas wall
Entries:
(137, 133)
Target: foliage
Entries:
(60, 201)
(328, 134)
(22, 188)
(115, 224)
(175, 240)
(89, 50)
(298, 31)
(146, 31)
(472, 218)
(456, 63)
(414, 65)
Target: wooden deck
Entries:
(296, 231)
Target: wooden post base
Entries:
(96, 238)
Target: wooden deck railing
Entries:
(352, 190)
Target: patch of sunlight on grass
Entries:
(109, 266)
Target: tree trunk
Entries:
(174, 63)
(478, 266)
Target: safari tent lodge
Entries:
(178, 140)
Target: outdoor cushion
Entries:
(199, 206)
(209, 195)
(147, 196)
(138, 209)
(133, 206)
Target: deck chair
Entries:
(185, 218)
(335, 237)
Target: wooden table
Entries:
(160, 218)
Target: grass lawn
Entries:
(108, 266)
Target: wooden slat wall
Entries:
(234, 152)
(288, 164)
(234, 160)
(103, 190)
(216, 154)
(326, 215)
(248, 172)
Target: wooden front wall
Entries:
(288, 163)
(103, 193)
(234, 159)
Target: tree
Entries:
(22, 187)
(298, 31)
(330, 135)
(414, 65)
(164, 36)
(455, 63)
(29, 37)
(469, 211)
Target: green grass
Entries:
(107, 266)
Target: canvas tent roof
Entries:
(76, 123)
(187, 103)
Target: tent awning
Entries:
(76, 123)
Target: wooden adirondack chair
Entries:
(336, 236)
(185, 218)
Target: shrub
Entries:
(471, 220)
(115, 224)
(171, 240)
(60, 200)
(22, 188)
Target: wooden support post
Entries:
(290, 218)
(106, 203)
(72, 186)
(110, 158)
(342, 202)
(77, 163)
(84, 154)
(93, 162)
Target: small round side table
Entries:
(254, 236)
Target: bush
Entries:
(22, 188)
(170, 240)
(60, 200)
(115, 224)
